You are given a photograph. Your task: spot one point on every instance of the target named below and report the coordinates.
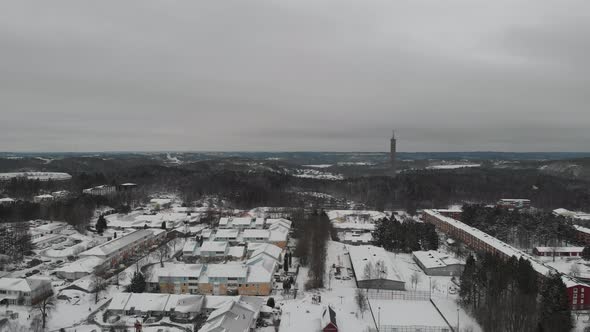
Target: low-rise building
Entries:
(62, 194)
(229, 235)
(373, 269)
(54, 227)
(104, 190)
(279, 235)
(309, 318)
(582, 234)
(254, 278)
(213, 249)
(7, 201)
(514, 203)
(238, 315)
(158, 305)
(558, 251)
(79, 268)
(255, 235)
(24, 291)
(43, 198)
(117, 250)
(356, 238)
(435, 263)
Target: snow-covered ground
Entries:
(319, 166)
(315, 174)
(574, 266)
(453, 166)
(355, 219)
(43, 176)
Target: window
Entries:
(575, 290)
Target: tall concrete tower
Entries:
(392, 143)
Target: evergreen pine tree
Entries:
(137, 284)
(586, 253)
(101, 224)
(555, 312)
(468, 281)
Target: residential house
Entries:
(24, 291)
(118, 250)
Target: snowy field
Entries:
(355, 219)
(43, 176)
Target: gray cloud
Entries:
(294, 75)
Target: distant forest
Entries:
(242, 186)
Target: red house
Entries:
(558, 251)
(576, 292)
(329, 320)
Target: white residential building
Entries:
(24, 291)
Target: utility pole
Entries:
(458, 320)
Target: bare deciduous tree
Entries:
(45, 306)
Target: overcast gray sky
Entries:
(286, 75)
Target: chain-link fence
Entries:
(380, 294)
(414, 328)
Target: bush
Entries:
(270, 302)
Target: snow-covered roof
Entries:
(559, 249)
(177, 270)
(260, 222)
(256, 233)
(434, 259)
(119, 301)
(185, 303)
(147, 302)
(261, 269)
(189, 247)
(144, 302)
(285, 222)
(44, 196)
(108, 248)
(361, 256)
(582, 229)
(237, 251)
(233, 316)
(226, 271)
(245, 221)
(21, 284)
(268, 249)
(514, 200)
(84, 264)
(6, 200)
(214, 246)
(563, 212)
(299, 317)
(364, 237)
(227, 233)
(278, 233)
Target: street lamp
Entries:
(379, 318)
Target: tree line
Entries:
(508, 295)
(405, 236)
(524, 229)
(312, 234)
